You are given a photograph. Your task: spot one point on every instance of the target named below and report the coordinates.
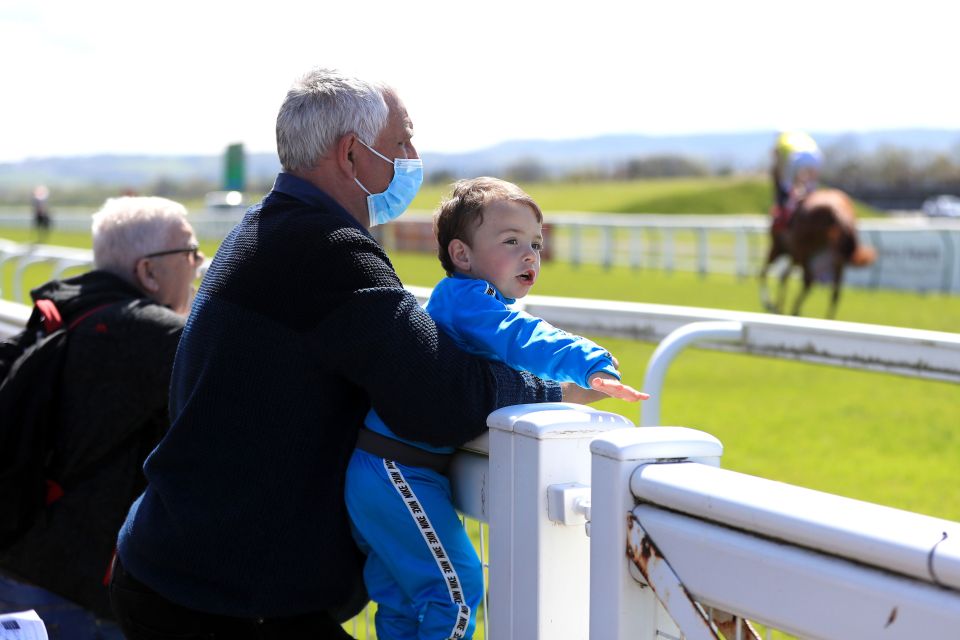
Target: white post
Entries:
(636, 247)
(703, 252)
(667, 249)
(539, 569)
(608, 246)
(740, 253)
(621, 607)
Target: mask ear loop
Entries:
(360, 184)
(380, 155)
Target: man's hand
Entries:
(607, 384)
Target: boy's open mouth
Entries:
(528, 276)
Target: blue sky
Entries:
(178, 77)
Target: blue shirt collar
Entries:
(291, 185)
(499, 296)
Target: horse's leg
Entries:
(776, 250)
(807, 281)
(835, 296)
(782, 290)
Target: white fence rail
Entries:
(805, 562)
(914, 253)
(933, 355)
(667, 539)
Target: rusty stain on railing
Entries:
(645, 556)
(682, 607)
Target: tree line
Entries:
(887, 170)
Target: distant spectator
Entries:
(41, 213)
(113, 409)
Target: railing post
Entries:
(608, 246)
(539, 569)
(703, 252)
(622, 607)
(741, 258)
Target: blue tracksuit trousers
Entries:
(422, 569)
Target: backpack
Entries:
(31, 372)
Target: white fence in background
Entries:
(914, 253)
(670, 546)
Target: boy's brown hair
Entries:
(462, 212)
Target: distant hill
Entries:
(128, 171)
(734, 151)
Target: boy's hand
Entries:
(578, 395)
(607, 384)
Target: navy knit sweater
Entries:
(301, 325)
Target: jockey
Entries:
(796, 165)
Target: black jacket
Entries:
(299, 326)
(113, 411)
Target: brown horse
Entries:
(821, 238)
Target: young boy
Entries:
(421, 567)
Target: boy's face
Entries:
(505, 249)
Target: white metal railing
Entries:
(25, 255)
(806, 562)
(933, 355)
(675, 547)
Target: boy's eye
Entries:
(537, 246)
(510, 241)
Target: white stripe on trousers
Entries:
(430, 536)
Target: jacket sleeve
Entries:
(521, 340)
(420, 383)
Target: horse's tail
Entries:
(863, 256)
(845, 238)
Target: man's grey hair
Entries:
(322, 106)
(128, 228)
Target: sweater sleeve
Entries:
(416, 377)
(467, 310)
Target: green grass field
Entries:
(668, 195)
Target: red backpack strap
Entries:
(83, 316)
(52, 320)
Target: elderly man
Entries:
(127, 316)
(300, 326)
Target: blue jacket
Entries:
(475, 314)
(300, 326)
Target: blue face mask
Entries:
(407, 178)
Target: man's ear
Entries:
(459, 252)
(146, 279)
(344, 149)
